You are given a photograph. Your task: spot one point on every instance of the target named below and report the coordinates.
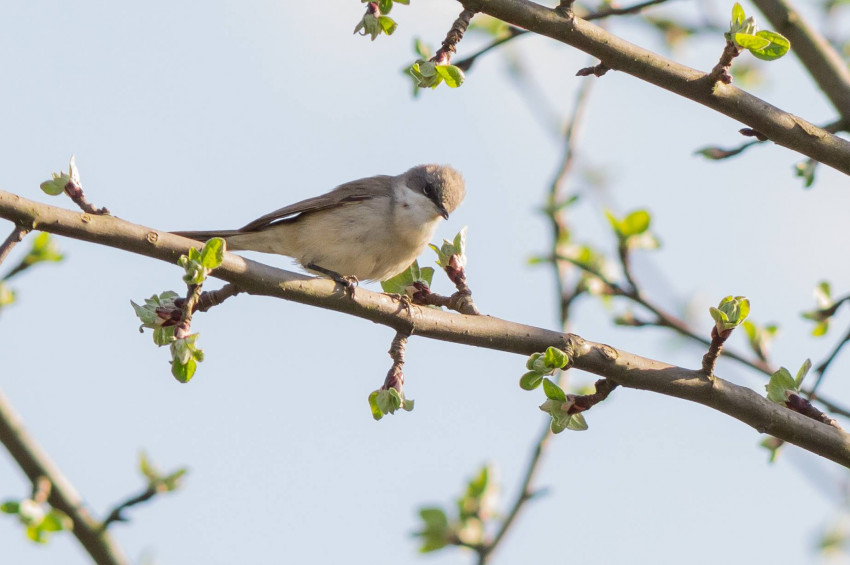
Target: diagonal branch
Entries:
(624, 368)
(824, 64)
(37, 465)
(779, 126)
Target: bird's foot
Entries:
(348, 282)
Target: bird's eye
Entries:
(427, 190)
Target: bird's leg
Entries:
(348, 282)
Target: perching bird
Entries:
(371, 228)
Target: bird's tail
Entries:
(206, 235)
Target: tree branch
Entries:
(627, 369)
(17, 235)
(37, 465)
(526, 493)
(824, 64)
(780, 127)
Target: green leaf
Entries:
(615, 223)
(405, 2)
(477, 487)
(577, 422)
(730, 313)
(751, 42)
(553, 391)
(387, 24)
(780, 382)
(146, 468)
(436, 532)
(555, 358)
(373, 405)
(636, 223)
(172, 482)
(212, 254)
(806, 170)
(43, 250)
(453, 76)
(434, 517)
(801, 374)
(820, 328)
(185, 356)
(532, 361)
(384, 6)
(56, 521)
(738, 15)
(164, 335)
(148, 313)
(531, 380)
(422, 49)
(184, 372)
(823, 294)
(773, 445)
(383, 402)
(10, 507)
(426, 274)
(777, 46)
(7, 295)
(36, 534)
(401, 283)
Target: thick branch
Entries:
(780, 127)
(37, 465)
(625, 368)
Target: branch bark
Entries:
(627, 369)
(36, 464)
(779, 126)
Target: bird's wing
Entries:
(348, 193)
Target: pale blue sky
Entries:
(205, 115)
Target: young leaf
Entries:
(531, 380)
(555, 358)
(577, 422)
(738, 15)
(801, 374)
(635, 223)
(780, 382)
(212, 254)
(751, 42)
(553, 391)
(453, 76)
(777, 46)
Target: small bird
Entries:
(370, 229)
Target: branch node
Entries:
(720, 72)
(597, 70)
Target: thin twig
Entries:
(526, 493)
(14, 238)
(447, 49)
(821, 369)
(116, 515)
(558, 223)
(556, 193)
(395, 378)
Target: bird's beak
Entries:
(443, 212)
